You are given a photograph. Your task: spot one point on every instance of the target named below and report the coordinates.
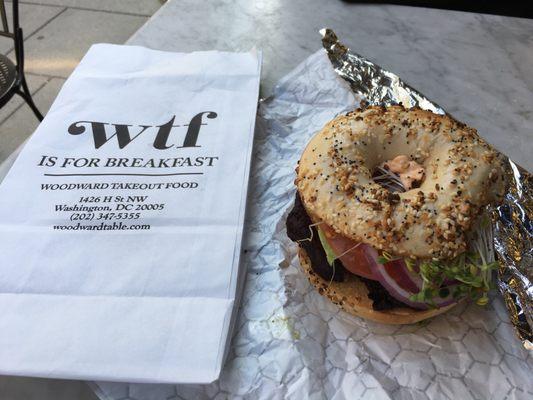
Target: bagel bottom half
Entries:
(352, 296)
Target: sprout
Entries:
(473, 269)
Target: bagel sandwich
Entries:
(390, 213)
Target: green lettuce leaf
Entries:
(330, 254)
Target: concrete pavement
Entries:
(57, 35)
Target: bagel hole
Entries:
(392, 180)
(384, 177)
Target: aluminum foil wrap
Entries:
(292, 343)
(513, 236)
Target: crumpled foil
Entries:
(513, 236)
(292, 343)
(369, 81)
(513, 229)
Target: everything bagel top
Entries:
(462, 174)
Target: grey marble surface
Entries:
(477, 67)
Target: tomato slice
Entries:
(359, 260)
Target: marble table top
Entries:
(477, 67)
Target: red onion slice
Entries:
(395, 290)
(402, 284)
(397, 270)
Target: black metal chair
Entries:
(12, 79)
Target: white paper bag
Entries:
(121, 220)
